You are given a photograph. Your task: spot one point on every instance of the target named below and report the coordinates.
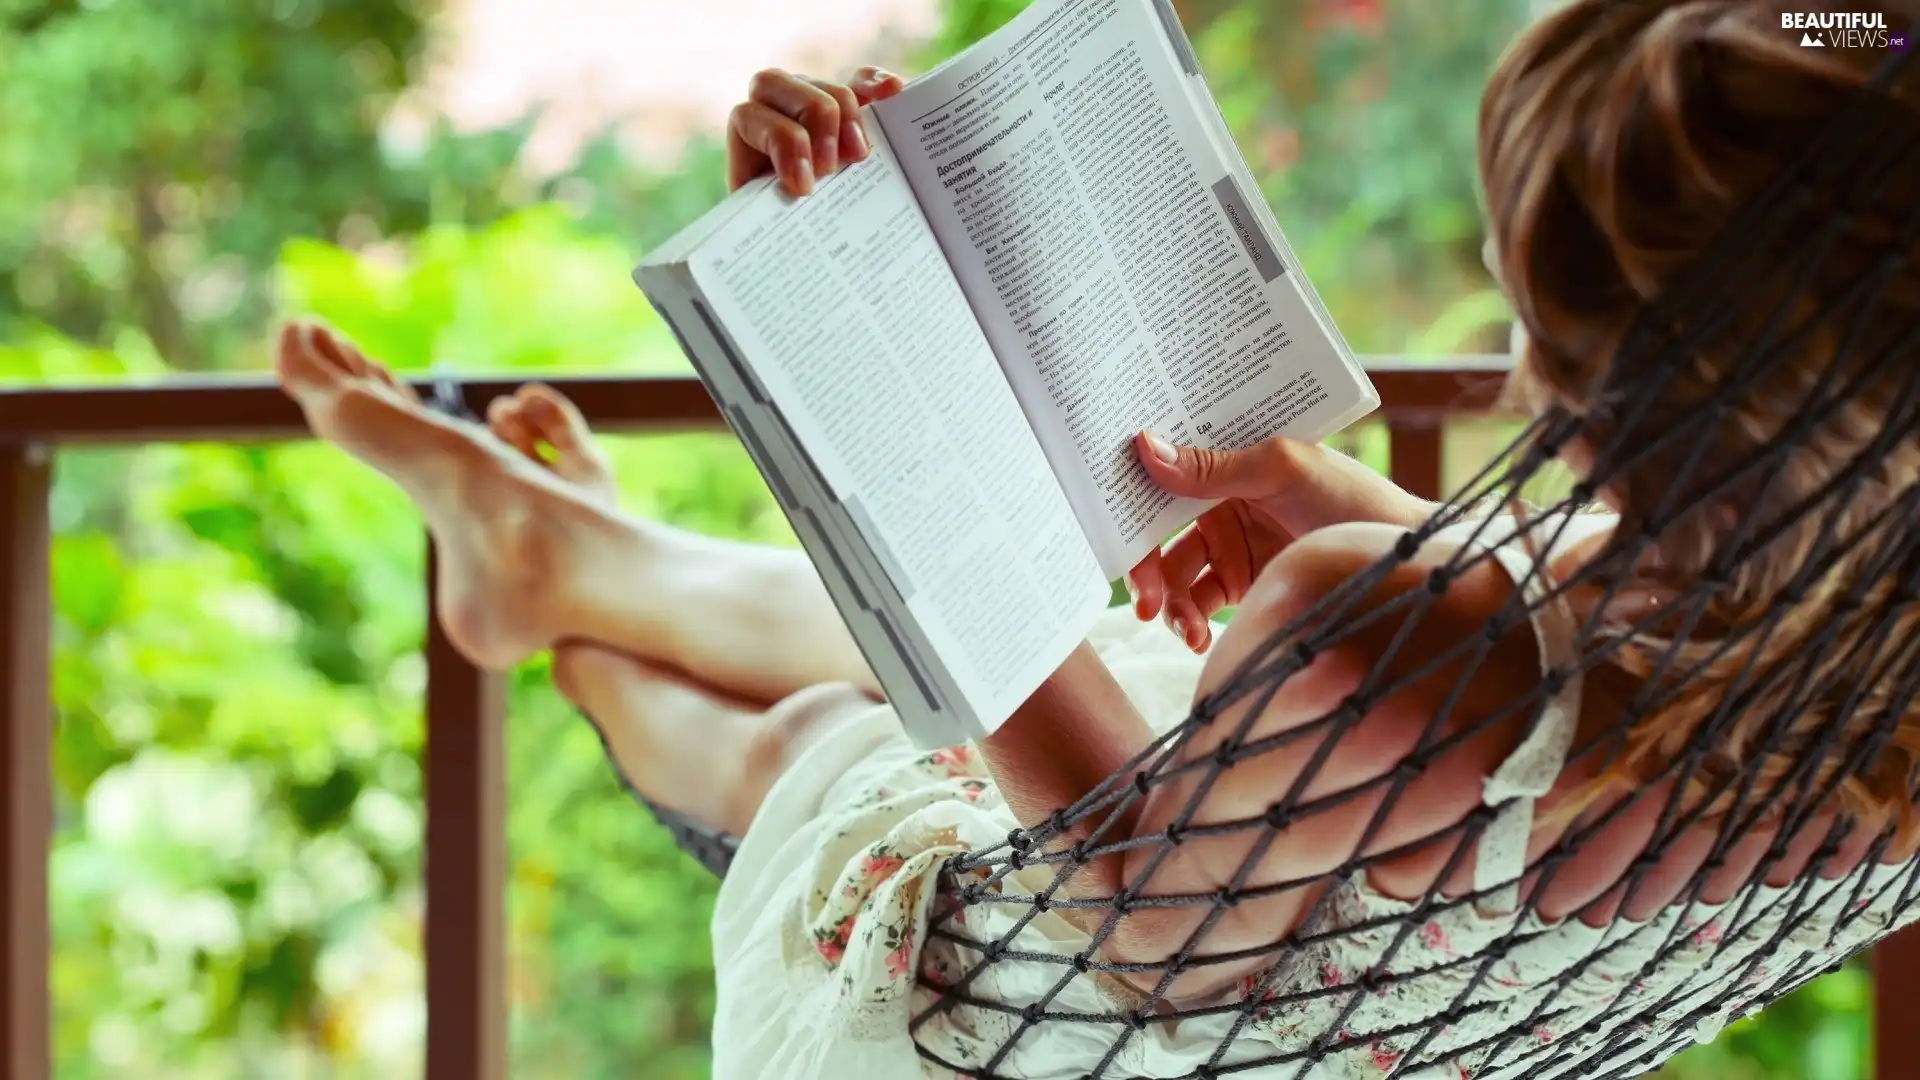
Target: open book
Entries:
(939, 359)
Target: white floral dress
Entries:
(822, 924)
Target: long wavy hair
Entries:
(1618, 140)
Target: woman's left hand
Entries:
(1273, 493)
(801, 128)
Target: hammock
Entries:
(1712, 305)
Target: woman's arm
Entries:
(1077, 729)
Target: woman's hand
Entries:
(1275, 493)
(801, 128)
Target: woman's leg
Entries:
(533, 552)
(687, 748)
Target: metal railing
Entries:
(464, 848)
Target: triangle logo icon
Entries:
(1808, 41)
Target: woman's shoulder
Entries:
(1313, 566)
(1391, 617)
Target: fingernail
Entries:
(1161, 448)
(855, 139)
(804, 169)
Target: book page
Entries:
(1122, 264)
(896, 651)
(844, 308)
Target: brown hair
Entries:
(1619, 139)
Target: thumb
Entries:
(1254, 473)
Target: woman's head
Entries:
(1619, 141)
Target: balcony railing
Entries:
(465, 841)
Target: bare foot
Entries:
(544, 426)
(499, 521)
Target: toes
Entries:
(506, 418)
(334, 350)
(380, 373)
(555, 419)
(296, 360)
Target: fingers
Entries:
(1162, 577)
(871, 84)
(802, 128)
(1254, 473)
(1182, 560)
(851, 135)
(1187, 624)
(1203, 570)
(1229, 558)
(1181, 563)
(1148, 584)
(1210, 597)
(797, 98)
(759, 137)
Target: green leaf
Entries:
(87, 577)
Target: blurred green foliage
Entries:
(238, 679)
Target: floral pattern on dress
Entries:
(1498, 994)
(880, 895)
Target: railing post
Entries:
(1896, 987)
(26, 753)
(1414, 448)
(465, 856)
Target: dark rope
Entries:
(1803, 711)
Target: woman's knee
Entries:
(797, 722)
(570, 665)
(582, 671)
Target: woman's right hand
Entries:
(801, 128)
(1271, 494)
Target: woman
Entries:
(1507, 904)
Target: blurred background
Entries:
(466, 183)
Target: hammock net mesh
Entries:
(1815, 684)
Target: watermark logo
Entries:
(1845, 30)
